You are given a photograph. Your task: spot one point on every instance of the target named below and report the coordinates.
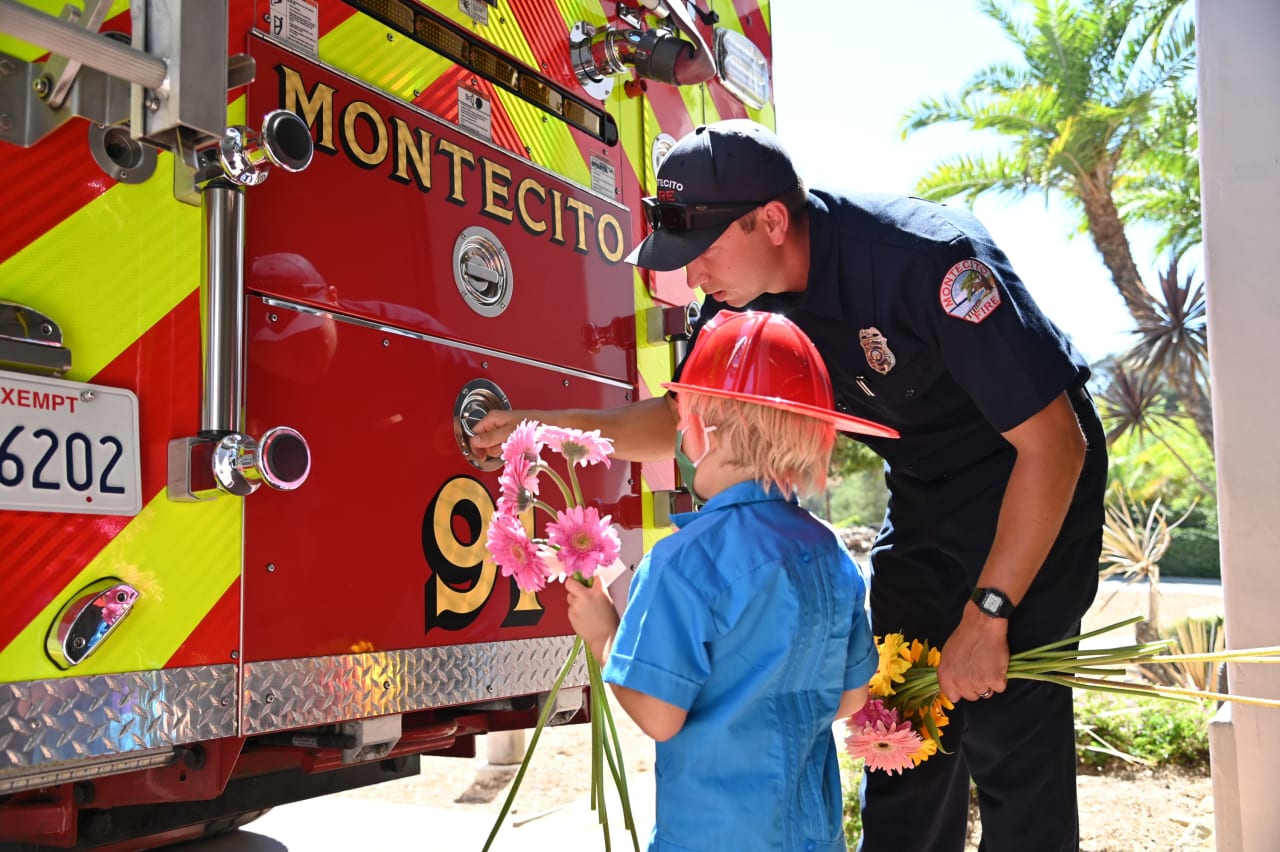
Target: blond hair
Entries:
(777, 448)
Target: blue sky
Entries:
(845, 71)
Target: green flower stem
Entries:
(1100, 686)
(543, 467)
(533, 740)
(610, 745)
(597, 747)
(1073, 639)
(546, 507)
(573, 480)
(1176, 692)
(1249, 655)
(620, 777)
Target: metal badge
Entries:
(879, 357)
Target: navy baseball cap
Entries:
(711, 178)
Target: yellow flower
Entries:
(894, 661)
(928, 748)
(932, 656)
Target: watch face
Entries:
(990, 602)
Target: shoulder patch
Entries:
(969, 291)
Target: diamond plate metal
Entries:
(281, 694)
(44, 724)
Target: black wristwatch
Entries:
(992, 602)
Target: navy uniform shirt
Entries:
(925, 327)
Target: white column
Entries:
(1239, 60)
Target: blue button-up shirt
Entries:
(753, 619)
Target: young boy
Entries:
(746, 633)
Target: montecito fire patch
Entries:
(969, 291)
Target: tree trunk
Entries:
(1107, 231)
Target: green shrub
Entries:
(1193, 552)
(850, 784)
(1152, 730)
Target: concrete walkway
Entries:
(338, 822)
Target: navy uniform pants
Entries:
(1018, 746)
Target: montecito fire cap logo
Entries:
(969, 291)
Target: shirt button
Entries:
(840, 406)
(910, 392)
(809, 846)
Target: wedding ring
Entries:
(986, 694)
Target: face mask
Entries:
(688, 467)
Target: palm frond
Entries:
(970, 177)
(1134, 401)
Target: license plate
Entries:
(68, 447)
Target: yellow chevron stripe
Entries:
(182, 557)
(382, 57)
(139, 246)
(29, 52)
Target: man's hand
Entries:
(592, 615)
(975, 658)
(496, 426)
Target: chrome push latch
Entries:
(86, 620)
(31, 342)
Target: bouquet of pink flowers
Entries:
(899, 727)
(579, 542)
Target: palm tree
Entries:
(1173, 345)
(1078, 116)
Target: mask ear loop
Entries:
(706, 445)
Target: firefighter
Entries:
(991, 540)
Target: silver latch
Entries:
(87, 619)
(476, 399)
(482, 270)
(31, 342)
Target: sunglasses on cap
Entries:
(677, 218)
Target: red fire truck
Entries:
(306, 244)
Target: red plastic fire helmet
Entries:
(765, 358)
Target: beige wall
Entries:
(1239, 58)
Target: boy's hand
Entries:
(592, 615)
(493, 429)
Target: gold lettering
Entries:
(609, 231)
(497, 186)
(582, 211)
(408, 153)
(557, 217)
(313, 105)
(528, 187)
(368, 159)
(473, 556)
(458, 156)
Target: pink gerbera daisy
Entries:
(577, 446)
(524, 441)
(584, 540)
(519, 482)
(515, 553)
(884, 747)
